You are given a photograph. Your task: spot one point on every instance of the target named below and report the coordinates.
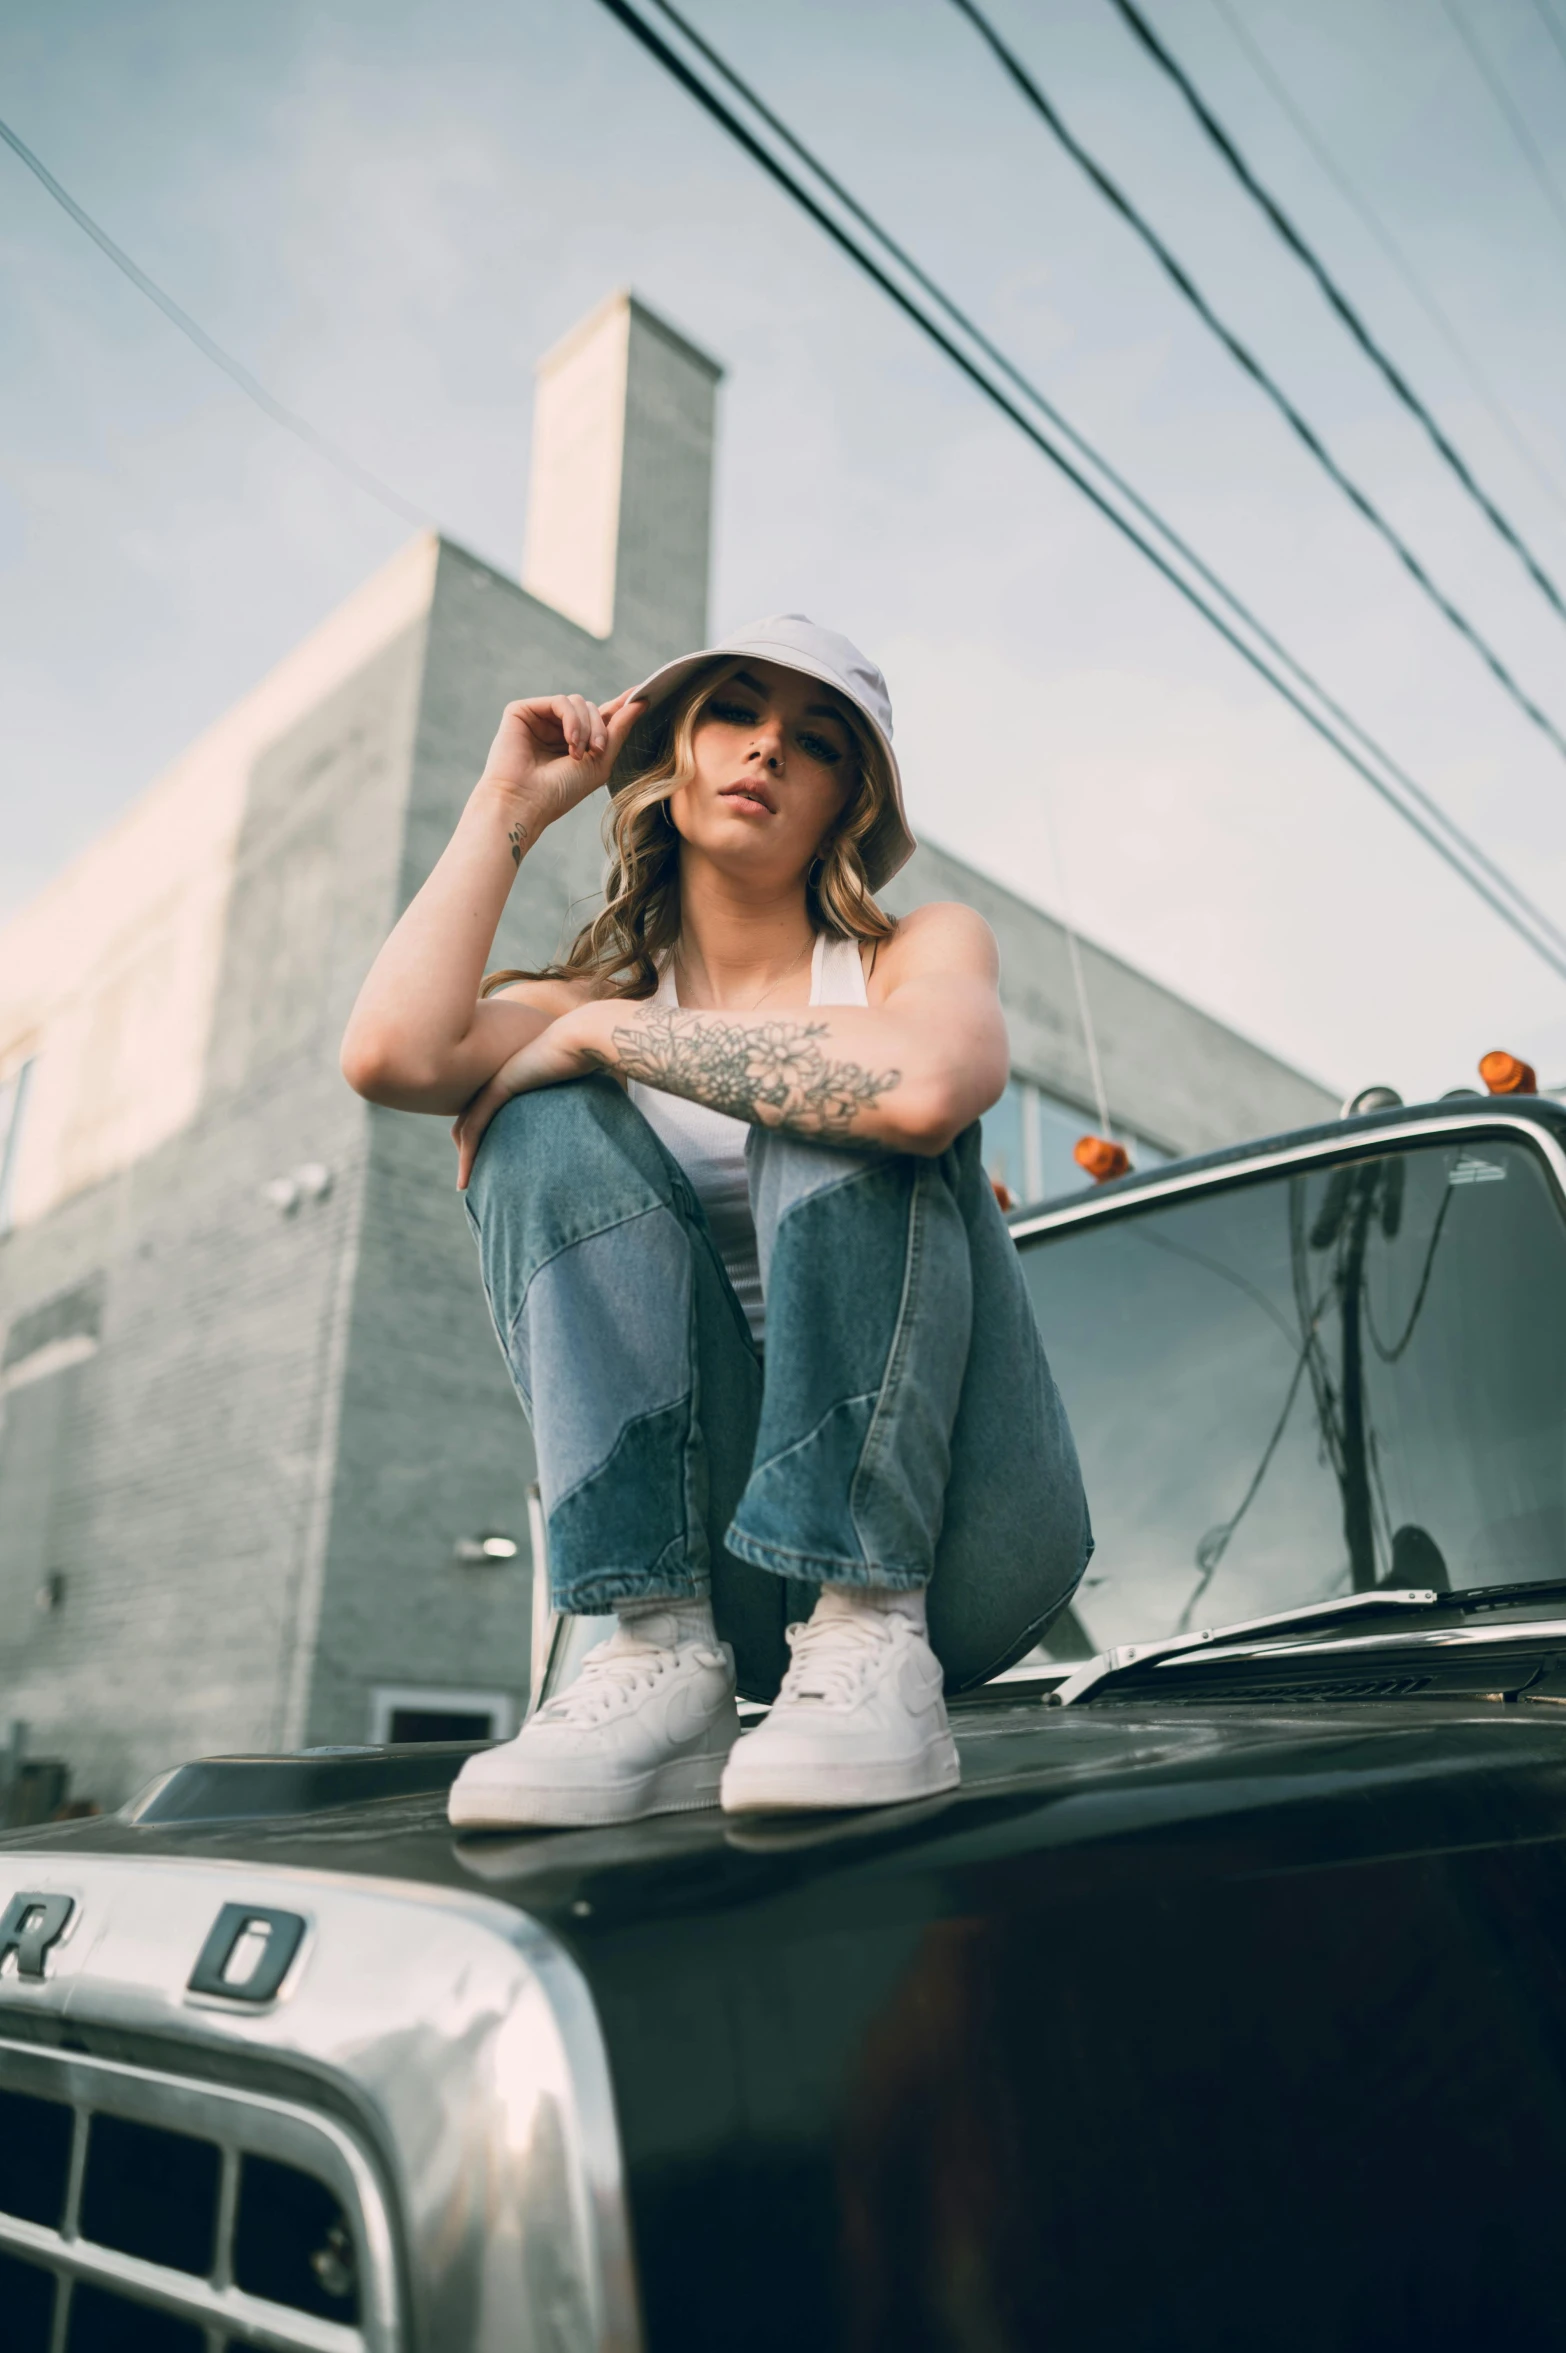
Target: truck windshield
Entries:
(1313, 1384)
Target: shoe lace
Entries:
(611, 1676)
(610, 1679)
(834, 1658)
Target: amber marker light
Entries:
(1100, 1158)
(1503, 1074)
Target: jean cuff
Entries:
(597, 1595)
(823, 1568)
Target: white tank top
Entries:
(710, 1146)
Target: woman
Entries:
(757, 1297)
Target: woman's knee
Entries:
(570, 1141)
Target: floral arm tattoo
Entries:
(774, 1075)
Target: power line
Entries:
(1124, 489)
(1337, 301)
(1548, 19)
(771, 163)
(1299, 424)
(1533, 915)
(1078, 975)
(1523, 138)
(1377, 228)
(288, 418)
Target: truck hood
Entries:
(1034, 1779)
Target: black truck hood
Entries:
(1035, 1780)
(1165, 2006)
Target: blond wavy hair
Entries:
(624, 947)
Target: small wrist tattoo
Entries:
(517, 837)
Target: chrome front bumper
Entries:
(431, 2063)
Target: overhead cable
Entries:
(1552, 25)
(1108, 473)
(288, 418)
(1246, 359)
(1337, 301)
(1523, 139)
(1376, 227)
(1078, 972)
(1541, 939)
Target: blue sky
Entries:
(389, 211)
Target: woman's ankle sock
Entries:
(670, 1623)
(885, 1600)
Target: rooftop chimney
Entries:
(620, 504)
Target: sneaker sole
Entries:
(834, 1788)
(682, 1787)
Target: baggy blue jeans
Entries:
(901, 1427)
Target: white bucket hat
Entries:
(796, 643)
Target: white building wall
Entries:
(109, 977)
(573, 507)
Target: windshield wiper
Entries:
(1489, 1597)
(1095, 1672)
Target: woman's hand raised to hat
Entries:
(552, 750)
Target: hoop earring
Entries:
(813, 878)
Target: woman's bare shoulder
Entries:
(944, 936)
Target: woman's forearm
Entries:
(420, 996)
(901, 1078)
(905, 1076)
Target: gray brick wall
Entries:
(191, 1454)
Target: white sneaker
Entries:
(644, 1729)
(860, 1720)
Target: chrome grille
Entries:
(144, 2213)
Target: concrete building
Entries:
(256, 1427)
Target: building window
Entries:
(13, 1104)
(1004, 1129)
(400, 1712)
(1029, 1136)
